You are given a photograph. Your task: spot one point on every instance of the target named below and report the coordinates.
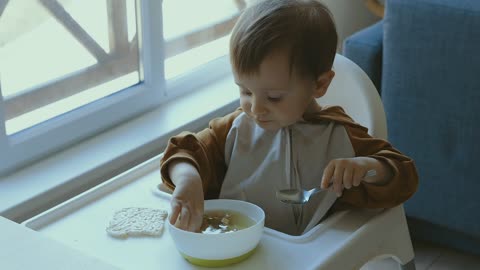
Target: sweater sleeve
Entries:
(204, 150)
(401, 187)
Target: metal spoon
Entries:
(298, 196)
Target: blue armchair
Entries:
(424, 57)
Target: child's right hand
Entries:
(187, 198)
(187, 205)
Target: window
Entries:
(70, 69)
(67, 60)
(197, 32)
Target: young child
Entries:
(281, 54)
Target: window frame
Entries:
(31, 144)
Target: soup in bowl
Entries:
(230, 232)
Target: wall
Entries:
(350, 16)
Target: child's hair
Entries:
(304, 27)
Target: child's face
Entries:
(275, 97)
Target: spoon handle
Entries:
(370, 173)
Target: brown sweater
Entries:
(205, 150)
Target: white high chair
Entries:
(354, 91)
(346, 240)
(385, 235)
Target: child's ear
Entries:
(322, 83)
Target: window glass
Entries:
(60, 55)
(196, 32)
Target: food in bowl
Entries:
(222, 249)
(219, 221)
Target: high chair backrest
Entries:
(353, 90)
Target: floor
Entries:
(431, 257)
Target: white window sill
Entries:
(48, 182)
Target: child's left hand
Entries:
(350, 172)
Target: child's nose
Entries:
(258, 107)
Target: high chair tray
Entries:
(81, 222)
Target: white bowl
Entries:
(215, 250)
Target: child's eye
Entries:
(246, 92)
(275, 99)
